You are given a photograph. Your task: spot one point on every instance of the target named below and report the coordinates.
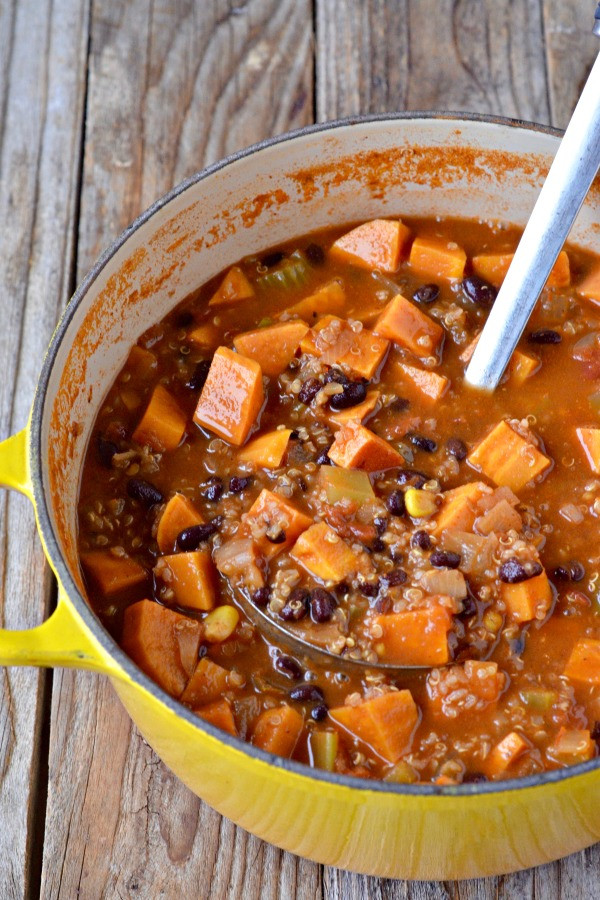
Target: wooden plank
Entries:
(571, 49)
(171, 88)
(42, 83)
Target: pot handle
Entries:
(63, 639)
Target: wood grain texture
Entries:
(171, 88)
(571, 49)
(42, 81)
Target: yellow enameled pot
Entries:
(416, 164)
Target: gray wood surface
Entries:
(103, 107)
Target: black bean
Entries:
(445, 559)
(382, 605)
(427, 293)
(289, 667)
(191, 538)
(369, 588)
(184, 319)
(544, 336)
(237, 484)
(377, 546)
(276, 535)
(479, 291)
(336, 376)
(394, 578)
(422, 442)
(318, 713)
(560, 573)
(199, 376)
(474, 778)
(213, 489)
(577, 570)
(412, 477)
(261, 596)
(315, 254)
(202, 651)
(399, 404)
(294, 435)
(395, 503)
(296, 606)
(352, 394)
(322, 605)
(513, 570)
(307, 693)
(469, 608)
(146, 493)
(380, 524)
(309, 391)
(302, 484)
(457, 448)
(106, 451)
(271, 259)
(421, 539)
(323, 459)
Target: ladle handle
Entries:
(571, 174)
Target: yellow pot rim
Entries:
(111, 652)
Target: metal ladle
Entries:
(574, 168)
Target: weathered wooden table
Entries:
(103, 107)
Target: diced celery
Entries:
(537, 699)
(345, 484)
(594, 401)
(292, 273)
(264, 323)
(323, 749)
(401, 773)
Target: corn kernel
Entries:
(419, 504)
(220, 623)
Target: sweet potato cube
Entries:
(273, 347)
(404, 323)
(521, 367)
(505, 753)
(437, 259)
(218, 714)
(277, 730)
(111, 575)
(163, 424)
(234, 287)
(192, 578)
(571, 746)
(527, 600)
(508, 458)
(459, 508)
(493, 267)
(204, 335)
(386, 723)
(179, 514)
(207, 683)
(331, 298)
(418, 637)
(590, 287)
(359, 413)
(589, 438)
(355, 447)
(336, 343)
(373, 245)
(273, 514)
(326, 556)
(266, 450)
(232, 396)
(430, 385)
(584, 662)
(163, 643)
(141, 363)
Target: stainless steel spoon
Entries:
(574, 168)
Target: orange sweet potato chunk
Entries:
(111, 575)
(589, 438)
(266, 450)
(386, 723)
(437, 259)
(404, 323)
(331, 298)
(273, 347)
(572, 746)
(417, 637)
(505, 753)
(337, 343)
(459, 508)
(232, 396)
(179, 514)
(508, 458)
(355, 447)
(584, 662)
(274, 514)
(163, 424)
(141, 363)
(521, 367)
(493, 267)
(234, 287)
(373, 245)
(430, 385)
(590, 286)
(163, 643)
(277, 730)
(204, 335)
(325, 555)
(527, 600)
(220, 715)
(359, 413)
(192, 578)
(207, 683)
